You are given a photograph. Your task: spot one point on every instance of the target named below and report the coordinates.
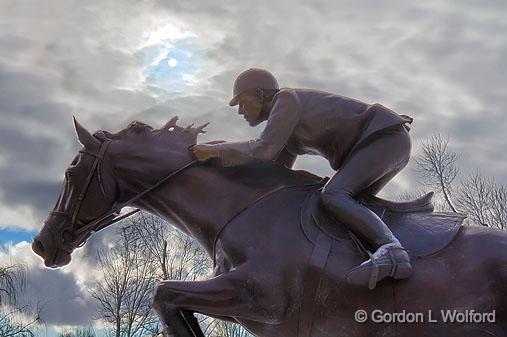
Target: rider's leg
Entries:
(369, 167)
(378, 185)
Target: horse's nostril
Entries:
(38, 248)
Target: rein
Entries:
(91, 226)
(83, 231)
(222, 227)
(113, 214)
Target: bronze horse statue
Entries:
(278, 270)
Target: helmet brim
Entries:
(234, 101)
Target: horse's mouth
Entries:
(59, 259)
(53, 258)
(44, 246)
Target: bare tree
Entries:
(12, 280)
(151, 234)
(178, 256)
(78, 332)
(474, 197)
(228, 329)
(124, 293)
(172, 255)
(437, 163)
(187, 261)
(499, 206)
(483, 200)
(14, 322)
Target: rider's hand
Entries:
(204, 152)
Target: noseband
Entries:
(81, 232)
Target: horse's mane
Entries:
(257, 175)
(134, 126)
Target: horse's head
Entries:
(92, 183)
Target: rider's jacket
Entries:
(305, 121)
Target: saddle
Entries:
(420, 230)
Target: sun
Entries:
(172, 62)
(167, 65)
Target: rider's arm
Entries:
(283, 118)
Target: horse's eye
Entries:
(69, 174)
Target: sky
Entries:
(111, 62)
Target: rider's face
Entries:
(250, 106)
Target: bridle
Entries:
(84, 230)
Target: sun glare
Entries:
(167, 64)
(166, 34)
(172, 62)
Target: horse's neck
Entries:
(200, 200)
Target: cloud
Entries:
(62, 294)
(61, 299)
(440, 62)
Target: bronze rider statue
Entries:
(366, 144)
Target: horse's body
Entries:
(262, 254)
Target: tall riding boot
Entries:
(389, 260)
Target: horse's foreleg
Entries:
(226, 295)
(178, 323)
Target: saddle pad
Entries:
(421, 233)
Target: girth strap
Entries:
(316, 266)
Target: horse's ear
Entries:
(86, 139)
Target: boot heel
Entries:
(403, 270)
